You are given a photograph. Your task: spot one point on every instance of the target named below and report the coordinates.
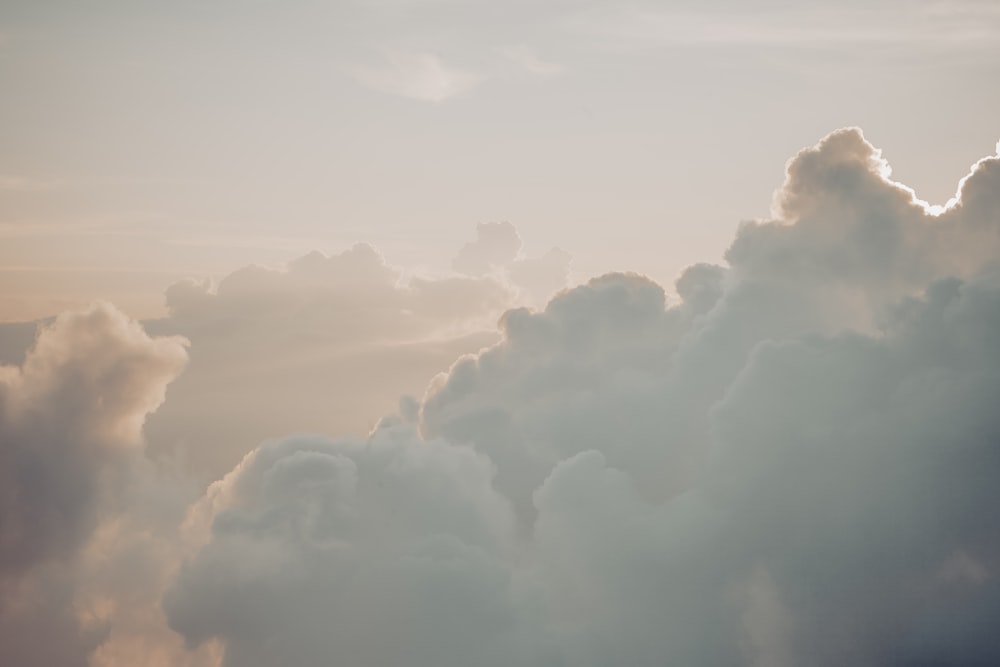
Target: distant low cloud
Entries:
(497, 251)
(325, 345)
(419, 76)
(496, 244)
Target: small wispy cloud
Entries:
(419, 76)
(526, 57)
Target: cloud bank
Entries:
(324, 345)
(794, 463)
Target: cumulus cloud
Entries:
(791, 465)
(388, 551)
(70, 431)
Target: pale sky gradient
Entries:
(142, 142)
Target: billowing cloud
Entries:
(793, 463)
(70, 433)
(390, 551)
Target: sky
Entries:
(145, 142)
(443, 333)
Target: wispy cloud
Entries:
(419, 76)
(526, 57)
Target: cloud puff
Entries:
(793, 464)
(497, 251)
(70, 430)
(386, 551)
(843, 227)
(496, 244)
(419, 76)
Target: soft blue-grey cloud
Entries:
(793, 464)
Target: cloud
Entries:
(325, 345)
(420, 76)
(496, 244)
(70, 432)
(793, 464)
(388, 551)
(75, 405)
(497, 251)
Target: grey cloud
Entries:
(385, 551)
(793, 464)
(877, 479)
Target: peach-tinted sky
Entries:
(144, 142)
